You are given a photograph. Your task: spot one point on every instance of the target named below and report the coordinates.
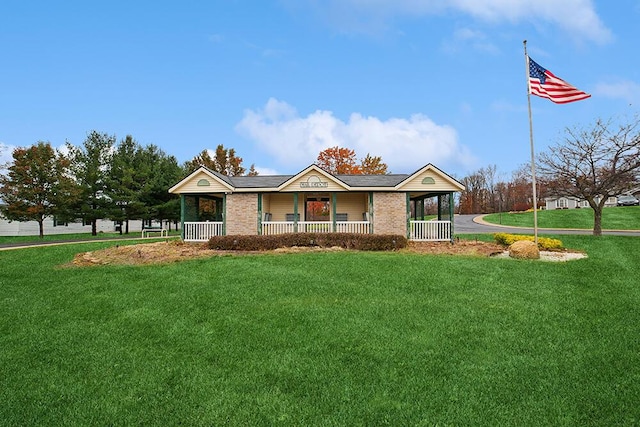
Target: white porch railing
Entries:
(420, 230)
(282, 227)
(202, 231)
(430, 230)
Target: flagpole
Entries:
(533, 160)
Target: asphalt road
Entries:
(470, 224)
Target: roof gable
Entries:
(313, 178)
(429, 178)
(203, 180)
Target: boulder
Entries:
(524, 249)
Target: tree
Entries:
(224, 161)
(594, 164)
(373, 165)
(160, 173)
(126, 178)
(37, 185)
(342, 161)
(339, 161)
(480, 194)
(90, 165)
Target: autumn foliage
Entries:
(342, 161)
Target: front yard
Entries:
(322, 338)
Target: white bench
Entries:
(163, 231)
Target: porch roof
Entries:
(390, 182)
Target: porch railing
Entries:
(282, 227)
(420, 230)
(430, 230)
(202, 231)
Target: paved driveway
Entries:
(470, 224)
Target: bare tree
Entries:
(594, 164)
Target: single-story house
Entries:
(315, 200)
(570, 202)
(54, 226)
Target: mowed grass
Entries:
(77, 237)
(322, 339)
(613, 218)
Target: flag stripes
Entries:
(545, 84)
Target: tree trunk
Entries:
(94, 227)
(597, 221)
(41, 227)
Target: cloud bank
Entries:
(404, 144)
(577, 18)
(621, 89)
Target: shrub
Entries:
(363, 242)
(544, 243)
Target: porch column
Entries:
(334, 209)
(295, 212)
(420, 208)
(259, 214)
(183, 212)
(370, 212)
(408, 210)
(224, 214)
(451, 210)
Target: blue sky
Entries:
(412, 81)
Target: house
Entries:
(53, 226)
(569, 202)
(315, 200)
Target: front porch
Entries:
(316, 201)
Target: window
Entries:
(58, 223)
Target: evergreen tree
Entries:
(91, 165)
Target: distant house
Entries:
(569, 202)
(53, 226)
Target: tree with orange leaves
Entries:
(342, 161)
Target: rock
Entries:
(524, 249)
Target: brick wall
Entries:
(242, 214)
(390, 213)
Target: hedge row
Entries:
(544, 243)
(362, 242)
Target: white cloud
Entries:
(6, 154)
(576, 17)
(403, 143)
(622, 89)
(463, 37)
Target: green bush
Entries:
(544, 243)
(362, 242)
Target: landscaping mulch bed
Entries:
(174, 251)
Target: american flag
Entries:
(543, 83)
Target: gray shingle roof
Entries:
(259, 181)
(372, 180)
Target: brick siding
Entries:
(390, 213)
(242, 214)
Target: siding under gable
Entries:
(196, 184)
(313, 181)
(428, 180)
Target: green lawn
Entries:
(613, 218)
(75, 236)
(322, 339)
